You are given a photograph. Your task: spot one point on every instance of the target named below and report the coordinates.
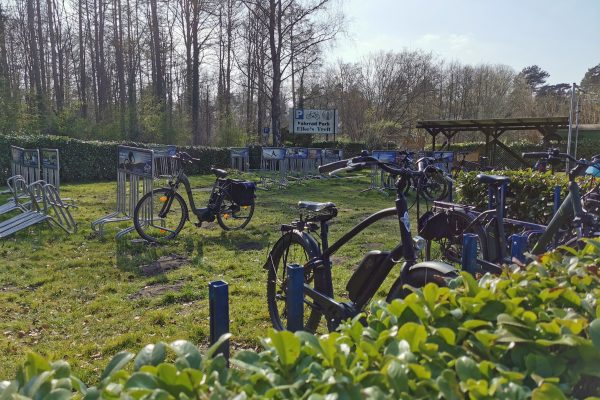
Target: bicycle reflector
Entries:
(163, 199)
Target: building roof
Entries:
(495, 123)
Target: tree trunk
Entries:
(55, 79)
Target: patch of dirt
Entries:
(164, 264)
(338, 259)
(249, 246)
(157, 289)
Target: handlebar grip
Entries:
(323, 169)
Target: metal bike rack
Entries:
(50, 167)
(136, 170)
(240, 158)
(378, 176)
(313, 161)
(273, 163)
(26, 163)
(295, 160)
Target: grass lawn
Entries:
(83, 298)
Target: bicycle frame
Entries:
(322, 296)
(204, 214)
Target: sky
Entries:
(561, 36)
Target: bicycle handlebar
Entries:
(550, 154)
(362, 161)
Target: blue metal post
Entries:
(218, 299)
(556, 198)
(450, 190)
(503, 190)
(490, 197)
(469, 253)
(295, 297)
(518, 244)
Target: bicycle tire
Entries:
(452, 251)
(434, 187)
(141, 225)
(229, 209)
(277, 280)
(418, 279)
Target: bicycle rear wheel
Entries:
(232, 216)
(434, 186)
(292, 248)
(160, 215)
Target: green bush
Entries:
(95, 161)
(530, 194)
(530, 333)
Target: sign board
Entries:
(314, 154)
(31, 158)
(239, 152)
(273, 153)
(297, 153)
(135, 161)
(387, 156)
(49, 158)
(16, 154)
(322, 122)
(165, 151)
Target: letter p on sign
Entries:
(299, 114)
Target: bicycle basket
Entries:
(242, 192)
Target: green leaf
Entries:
(595, 333)
(152, 354)
(116, 364)
(466, 368)
(548, 391)
(187, 351)
(141, 380)
(448, 385)
(447, 334)
(287, 346)
(414, 334)
(58, 394)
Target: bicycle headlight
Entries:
(418, 243)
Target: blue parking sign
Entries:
(299, 113)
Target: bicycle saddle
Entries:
(315, 206)
(495, 180)
(220, 173)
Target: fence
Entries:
(240, 158)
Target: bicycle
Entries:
(161, 214)
(444, 228)
(299, 244)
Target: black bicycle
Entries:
(161, 214)
(299, 245)
(444, 228)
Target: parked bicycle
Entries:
(161, 214)
(299, 244)
(444, 228)
(432, 182)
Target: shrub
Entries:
(535, 333)
(95, 161)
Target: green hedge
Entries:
(530, 194)
(531, 333)
(94, 161)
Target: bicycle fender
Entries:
(438, 266)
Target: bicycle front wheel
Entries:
(434, 186)
(292, 248)
(160, 215)
(232, 216)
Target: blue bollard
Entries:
(469, 253)
(450, 190)
(218, 299)
(518, 244)
(295, 297)
(556, 198)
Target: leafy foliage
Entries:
(532, 334)
(96, 161)
(530, 195)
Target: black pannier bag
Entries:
(242, 192)
(364, 272)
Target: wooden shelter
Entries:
(492, 129)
